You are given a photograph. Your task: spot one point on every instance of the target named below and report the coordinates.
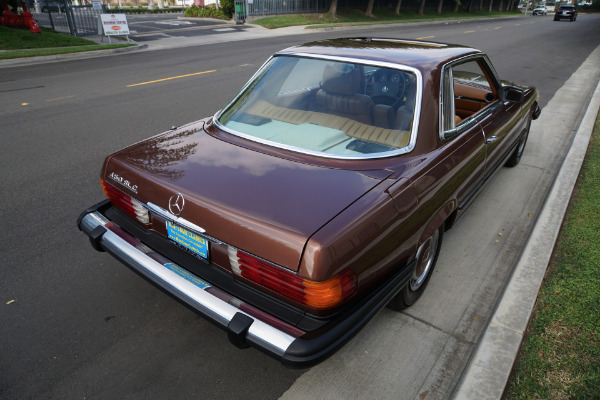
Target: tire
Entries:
(427, 256)
(515, 157)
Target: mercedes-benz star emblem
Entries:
(176, 203)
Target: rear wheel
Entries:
(515, 158)
(427, 256)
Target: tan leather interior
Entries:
(464, 107)
(358, 130)
(340, 95)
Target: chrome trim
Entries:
(260, 333)
(173, 218)
(444, 135)
(416, 118)
(190, 226)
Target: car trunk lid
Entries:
(265, 205)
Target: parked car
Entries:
(320, 194)
(541, 10)
(566, 12)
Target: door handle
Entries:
(491, 139)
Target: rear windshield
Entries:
(326, 107)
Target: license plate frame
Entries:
(190, 241)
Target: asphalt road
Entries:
(74, 323)
(147, 28)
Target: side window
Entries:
(467, 89)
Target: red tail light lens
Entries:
(318, 295)
(126, 203)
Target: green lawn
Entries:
(382, 16)
(560, 356)
(22, 43)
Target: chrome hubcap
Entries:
(425, 256)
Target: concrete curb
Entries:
(17, 62)
(490, 367)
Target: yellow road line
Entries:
(468, 31)
(60, 98)
(173, 77)
(498, 27)
(425, 37)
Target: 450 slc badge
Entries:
(123, 182)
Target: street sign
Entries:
(114, 24)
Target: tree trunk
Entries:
(440, 3)
(421, 8)
(369, 11)
(456, 5)
(501, 5)
(481, 5)
(491, 3)
(397, 10)
(470, 8)
(333, 8)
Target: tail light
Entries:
(126, 203)
(318, 295)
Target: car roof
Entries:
(415, 53)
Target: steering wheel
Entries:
(388, 86)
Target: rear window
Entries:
(327, 107)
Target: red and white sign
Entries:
(114, 24)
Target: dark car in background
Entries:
(566, 12)
(320, 194)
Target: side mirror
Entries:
(514, 94)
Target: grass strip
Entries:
(560, 355)
(59, 50)
(13, 39)
(351, 17)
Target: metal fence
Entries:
(74, 20)
(260, 8)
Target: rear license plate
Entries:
(189, 240)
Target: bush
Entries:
(228, 8)
(204, 11)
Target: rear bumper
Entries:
(245, 325)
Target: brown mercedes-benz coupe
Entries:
(320, 194)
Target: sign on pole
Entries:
(115, 25)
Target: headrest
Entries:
(341, 82)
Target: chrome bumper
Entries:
(242, 328)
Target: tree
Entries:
(491, 3)
(456, 5)
(397, 10)
(439, 10)
(369, 11)
(470, 8)
(481, 5)
(422, 8)
(333, 8)
(501, 6)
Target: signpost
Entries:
(115, 25)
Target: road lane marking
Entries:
(173, 77)
(425, 37)
(498, 27)
(60, 98)
(468, 31)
